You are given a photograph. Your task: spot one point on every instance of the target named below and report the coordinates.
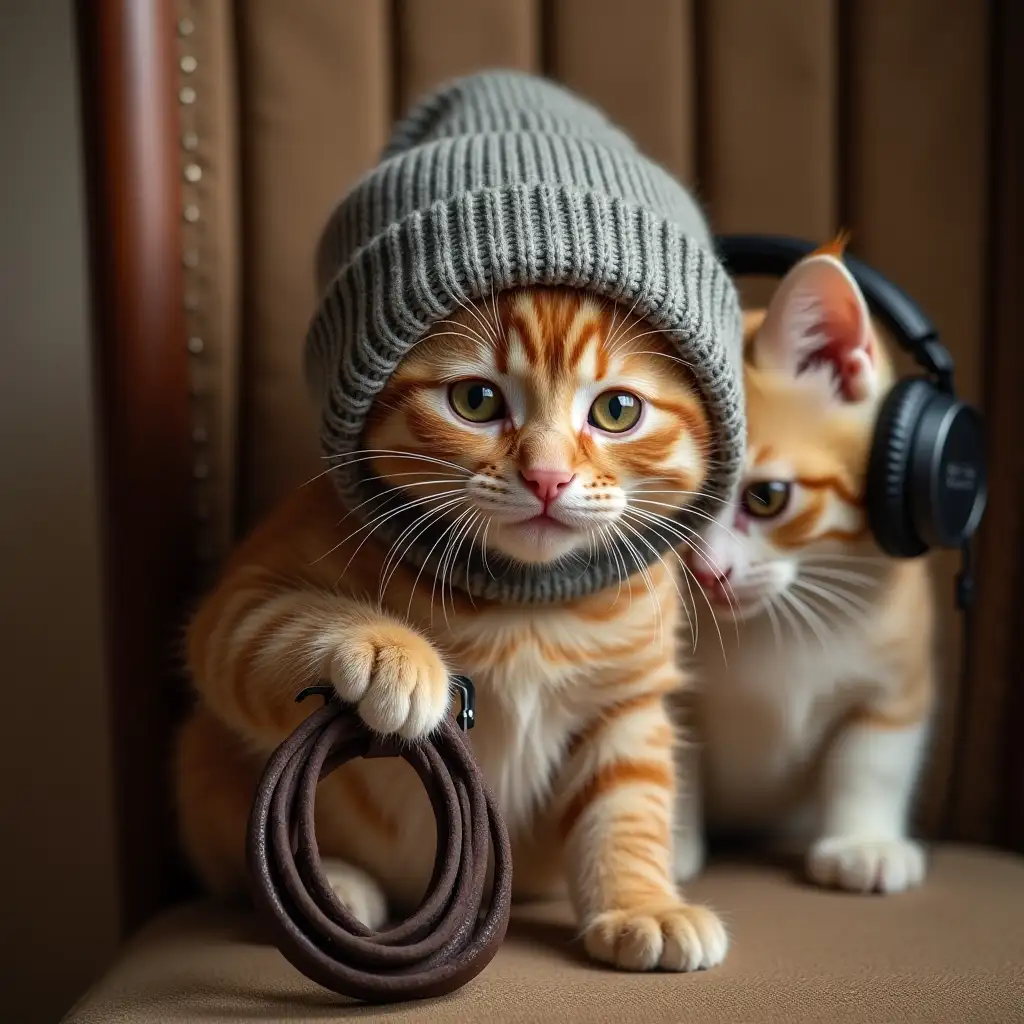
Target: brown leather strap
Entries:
(446, 943)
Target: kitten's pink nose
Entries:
(547, 484)
(708, 573)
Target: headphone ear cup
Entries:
(889, 505)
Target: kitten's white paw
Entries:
(673, 935)
(866, 865)
(358, 891)
(394, 675)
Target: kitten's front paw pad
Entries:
(674, 936)
(358, 891)
(395, 677)
(866, 865)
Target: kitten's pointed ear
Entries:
(818, 320)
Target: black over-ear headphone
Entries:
(926, 478)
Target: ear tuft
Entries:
(836, 248)
(818, 325)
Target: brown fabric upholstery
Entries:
(953, 951)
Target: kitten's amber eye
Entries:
(614, 411)
(766, 499)
(478, 401)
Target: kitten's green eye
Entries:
(766, 499)
(478, 401)
(615, 411)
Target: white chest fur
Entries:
(541, 675)
(764, 714)
(526, 704)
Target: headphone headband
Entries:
(775, 255)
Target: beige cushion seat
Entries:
(951, 951)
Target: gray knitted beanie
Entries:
(503, 180)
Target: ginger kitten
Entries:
(531, 426)
(814, 710)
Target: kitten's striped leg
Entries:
(616, 818)
(867, 786)
(255, 644)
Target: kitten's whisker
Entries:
(694, 542)
(824, 556)
(692, 512)
(399, 511)
(794, 624)
(672, 529)
(856, 610)
(340, 465)
(692, 622)
(857, 579)
(769, 608)
(478, 341)
(644, 575)
(495, 315)
(386, 496)
(423, 565)
(467, 331)
(483, 549)
(590, 553)
(689, 494)
(452, 533)
(469, 308)
(481, 523)
(610, 547)
(374, 453)
(863, 590)
(460, 537)
(812, 619)
(629, 338)
(671, 575)
(393, 561)
(624, 578)
(474, 525)
(372, 524)
(663, 355)
(611, 326)
(625, 320)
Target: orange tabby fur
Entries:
(814, 711)
(572, 732)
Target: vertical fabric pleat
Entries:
(316, 110)
(917, 204)
(636, 62)
(436, 40)
(769, 102)
(768, 113)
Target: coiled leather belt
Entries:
(446, 942)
